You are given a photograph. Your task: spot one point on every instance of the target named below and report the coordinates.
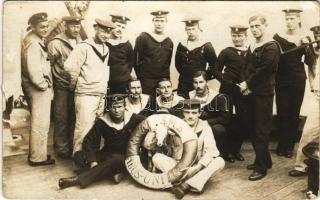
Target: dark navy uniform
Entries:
(190, 61)
(152, 61)
(121, 58)
(121, 62)
(232, 60)
(290, 88)
(111, 157)
(259, 74)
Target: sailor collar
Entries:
(174, 102)
(210, 96)
(114, 42)
(107, 119)
(94, 46)
(244, 48)
(295, 39)
(63, 37)
(157, 37)
(144, 99)
(191, 45)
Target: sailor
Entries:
(121, 56)
(167, 100)
(59, 48)
(207, 162)
(37, 87)
(311, 132)
(231, 61)
(88, 70)
(136, 102)
(215, 109)
(152, 53)
(291, 80)
(193, 54)
(259, 75)
(115, 126)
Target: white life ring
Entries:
(160, 180)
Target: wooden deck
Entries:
(24, 182)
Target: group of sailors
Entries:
(95, 95)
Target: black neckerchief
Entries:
(44, 48)
(102, 58)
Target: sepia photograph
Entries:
(160, 100)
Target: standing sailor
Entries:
(37, 87)
(259, 75)
(121, 56)
(87, 66)
(311, 132)
(59, 48)
(231, 60)
(290, 81)
(193, 54)
(152, 53)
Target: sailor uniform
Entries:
(143, 107)
(121, 62)
(259, 73)
(290, 89)
(87, 66)
(201, 57)
(168, 105)
(59, 48)
(216, 112)
(207, 156)
(37, 86)
(152, 61)
(232, 60)
(111, 156)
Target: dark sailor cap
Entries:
(116, 99)
(238, 29)
(191, 21)
(292, 11)
(315, 29)
(119, 18)
(190, 104)
(37, 18)
(159, 13)
(72, 19)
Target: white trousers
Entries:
(40, 106)
(87, 108)
(165, 163)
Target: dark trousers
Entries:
(239, 128)
(219, 133)
(64, 120)
(261, 119)
(117, 87)
(289, 99)
(108, 165)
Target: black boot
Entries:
(238, 156)
(68, 182)
(180, 190)
(229, 157)
(49, 161)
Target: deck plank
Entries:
(22, 181)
